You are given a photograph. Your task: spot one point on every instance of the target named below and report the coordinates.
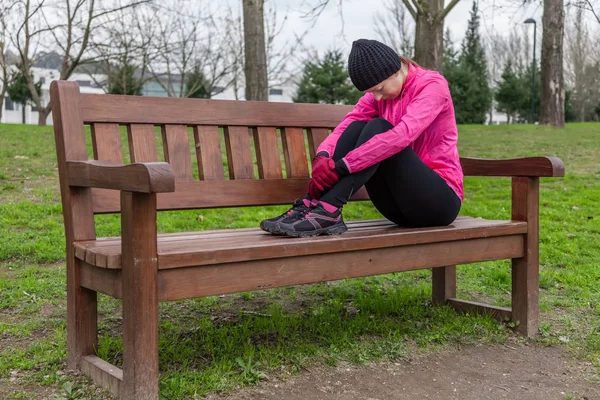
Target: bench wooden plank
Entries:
(216, 194)
(196, 248)
(142, 143)
(181, 283)
(208, 153)
(239, 154)
(267, 153)
(140, 297)
(102, 373)
(106, 142)
(315, 137)
(159, 111)
(177, 151)
(294, 151)
(78, 217)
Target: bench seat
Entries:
(227, 261)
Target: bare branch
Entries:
(410, 9)
(448, 8)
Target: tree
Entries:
(70, 24)
(326, 81)
(19, 92)
(392, 28)
(122, 80)
(429, 17)
(509, 93)
(525, 105)
(124, 55)
(553, 88)
(6, 75)
(468, 76)
(255, 70)
(196, 84)
(581, 73)
(570, 115)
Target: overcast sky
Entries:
(499, 16)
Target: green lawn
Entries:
(218, 343)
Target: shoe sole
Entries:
(332, 230)
(274, 230)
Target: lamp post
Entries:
(532, 21)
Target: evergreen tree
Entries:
(509, 93)
(122, 80)
(326, 81)
(525, 105)
(450, 53)
(570, 114)
(468, 79)
(19, 92)
(196, 85)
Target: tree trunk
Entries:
(43, 114)
(255, 51)
(42, 117)
(23, 113)
(429, 35)
(552, 110)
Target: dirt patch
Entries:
(474, 373)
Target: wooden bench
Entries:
(143, 268)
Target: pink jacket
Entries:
(423, 118)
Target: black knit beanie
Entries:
(371, 62)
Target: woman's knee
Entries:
(374, 127)
(378, 125)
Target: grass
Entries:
(219, 343)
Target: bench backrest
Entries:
(263, 145)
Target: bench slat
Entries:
(294, 151)
(239, 153)
(177, 151)
(315, 137)
(142, 143)
(204, 248)
(179, 111)
(213, 194)
(208, 153)
(267, 153)
(106, 142)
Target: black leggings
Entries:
(402, 188)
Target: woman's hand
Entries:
(324, 174)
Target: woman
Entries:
(399, 141)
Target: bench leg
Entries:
(82, 316)
(525, 271)
(140, 297)
(444, 284)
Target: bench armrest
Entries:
(528, 166)
(152, 177)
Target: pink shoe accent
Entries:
(306, 202)
(329, 207)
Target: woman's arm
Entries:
(420, 113)
(364, 110)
